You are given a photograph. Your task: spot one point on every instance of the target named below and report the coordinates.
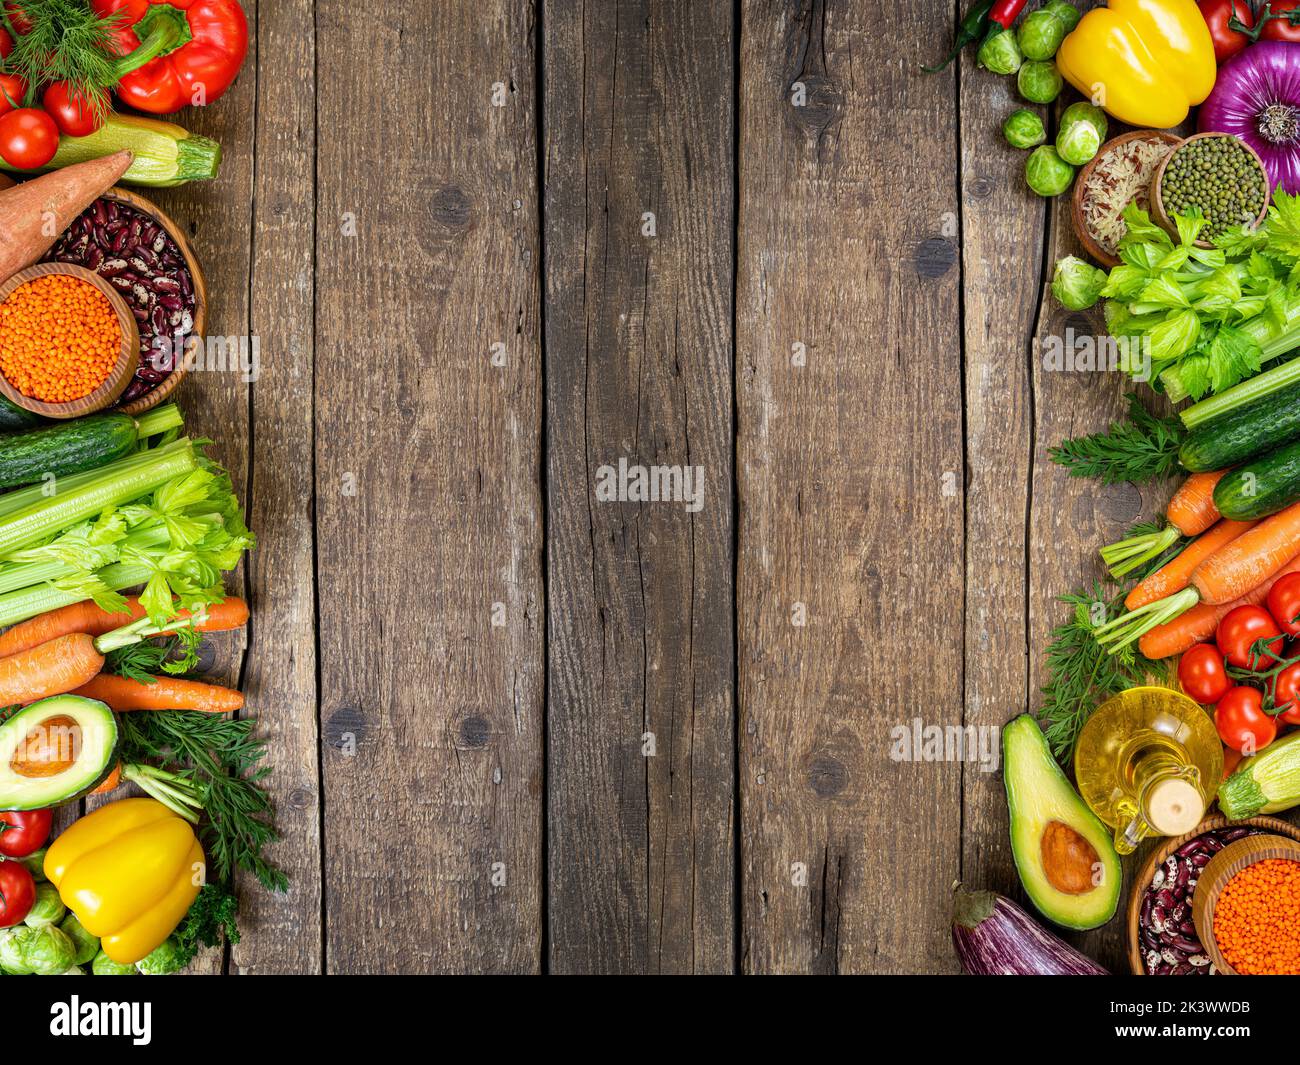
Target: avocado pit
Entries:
(52, 746)
(1068, 859)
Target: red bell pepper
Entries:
(176, 53)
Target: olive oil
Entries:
(1148, 763)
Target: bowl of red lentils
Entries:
(69, 345)
(1246, 907)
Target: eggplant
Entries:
(995, 937)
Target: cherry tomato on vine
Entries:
(1285, 688)
(1238, 633)
(28, 138)
(1231, 759)
(1242, 722)
(1284, 603)
(6, 44)
(1217, 15)
(12, 91)
(1281, 29)
(17, 893)
(73, 113)
(1203, 675)
(24, 832)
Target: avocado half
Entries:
(1064, 854)
(55, 751)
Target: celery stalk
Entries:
(18, 575)
(159, 420)
(28, 602)
(1256, 388)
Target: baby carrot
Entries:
(1192, 509)
(1174, 574)
(165, 693)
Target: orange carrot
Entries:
(1199, 623)
(1241, 566)
(33, 214)
(1192, 509)
(1174, 574)
(53, 668)
(165, 693)
(111, 781)
(231, 613)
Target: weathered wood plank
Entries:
(638, 223)
(280, 669)
(427, 491)
(1001, 232)
(850, 480)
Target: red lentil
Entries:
(59, 338)
(1257, 919)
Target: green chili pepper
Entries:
(973, 26)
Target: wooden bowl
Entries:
(1215, 876)
(1157, 182)
(1090, 245)
(173, 380)
(1166, 848)
(128, 356)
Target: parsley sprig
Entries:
(1141, 448)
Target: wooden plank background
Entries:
(519, 729)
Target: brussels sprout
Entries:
(86, 944)
(48, 907)
(35, 864)
(1076, 284)
(103, 965)
(48, 951)
(165, 958)
(1047, 173)
(1000, 53)
(11, 950)
(76, 970)
(1040, 35)
(1039, 81)
(1078, 143)
(1066, 12)
(1024, 129)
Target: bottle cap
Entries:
(1174, 806)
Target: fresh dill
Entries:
(1141, 448)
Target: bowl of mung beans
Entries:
(1217, 173)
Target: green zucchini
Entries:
(65, 447)
(14, 417)
(1243, 434)
(1261, 487)
(1265, 784)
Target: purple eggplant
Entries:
(995, 937)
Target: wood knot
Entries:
(301, 799)
(474, 732)
(814, 105)
(451, 208)
(980, 188)
(827, 776)
(1120, 503)
(935, 257)
(345, 728)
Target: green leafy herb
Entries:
(188, 760)
(211, 916)
(1142, 448)
(66, 41)
(143, 661)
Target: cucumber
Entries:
(66, 447)
(14, 418)
(1243, 434)
(1262, 487)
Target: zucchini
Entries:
(1261, 487)
(1244, 433)
(1265, 784)
(14, 417)
(64, 448)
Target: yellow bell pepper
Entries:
(1147, 62)
(129, 871)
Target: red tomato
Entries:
(1231, 759)
(1242, 722)
(12, 91)
(1238, 632)
(6, 44)
(28, 138)
(1203, 675)
(73, 113)
(23, 832)
(1282, 29)
(1217, 15)
(17, 893)
(1285, 688)
(1284, 603)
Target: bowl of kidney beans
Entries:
(131, 243)
(1162, 936)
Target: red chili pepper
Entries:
(1004, 12)
(176, 52)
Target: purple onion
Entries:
(1257, 98)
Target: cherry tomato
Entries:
(17, 893)
(1242, 722)
(1217, 15)
(73, 113)
(1282, 29)
(6, 44)
(1203, 675)
(1285, 688)
(24, 832)
(28, 138)
(1231, 759)
(1237, 633)
(1284, 603)
(12, 91)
